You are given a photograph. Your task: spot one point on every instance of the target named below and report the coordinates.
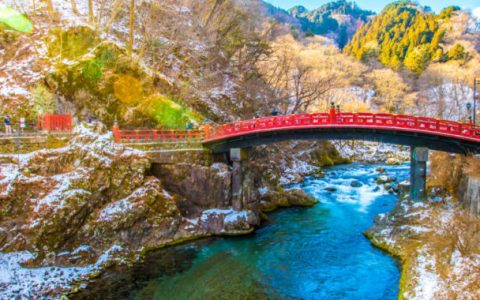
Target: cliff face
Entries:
(91, 204)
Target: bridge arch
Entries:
(411, 131)
(419, 133)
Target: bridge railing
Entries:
(157, 136)
(360, 120)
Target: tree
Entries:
(296, 82)
(74, 7)
(131, 27)
(43, 100)
(390, 90)
(342, 37)
(214, 10)
(447, 13)
(418, 59)
(458, 52)
(402, 25)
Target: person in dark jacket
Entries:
(7, 121)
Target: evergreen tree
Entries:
(417, 60)
(405, 34)
(458, 52)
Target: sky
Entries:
(378, 5)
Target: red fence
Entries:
(346, 120)
(55, 122)
(157, 136)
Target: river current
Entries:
(301, 253)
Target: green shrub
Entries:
(44, 101)
(167, 113)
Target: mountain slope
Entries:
(405, 34)
(338, 20)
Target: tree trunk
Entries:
(213, 11)
(132, 20)
(91, 16)
(74, 7)
(50, 8)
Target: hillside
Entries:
(190, 64)
(338, 20)
(407, 35)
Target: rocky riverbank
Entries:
(67, 214)
(437, 241)
(438, 245)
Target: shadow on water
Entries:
(119, 282)
(140, 281)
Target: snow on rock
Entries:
(115, 209)
(434, 239)
(373, 152)
(221, 221)
(428, 280)
(17, 282)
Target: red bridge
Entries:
(419, 133)
(397, 129)
(413, 131)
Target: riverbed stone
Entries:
(356, 184)
(383, 179)
(331, 189)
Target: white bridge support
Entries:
(418, 173)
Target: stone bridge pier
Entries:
(238, 157)
(418, 173)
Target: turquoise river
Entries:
(300, 253)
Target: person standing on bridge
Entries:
(23, 124)
(332, 112)
(7, 121)
(332, 109)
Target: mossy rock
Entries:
(71, 43)
(327, 155)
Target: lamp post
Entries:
(475, 96)
(469, 110)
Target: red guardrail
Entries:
(157, 136)
(55, 122)
(346, 120)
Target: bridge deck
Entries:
(467, 132)
(402, 129)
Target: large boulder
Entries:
(286, 198)
(201, 187)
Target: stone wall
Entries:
(207, 186)
(26, 144)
